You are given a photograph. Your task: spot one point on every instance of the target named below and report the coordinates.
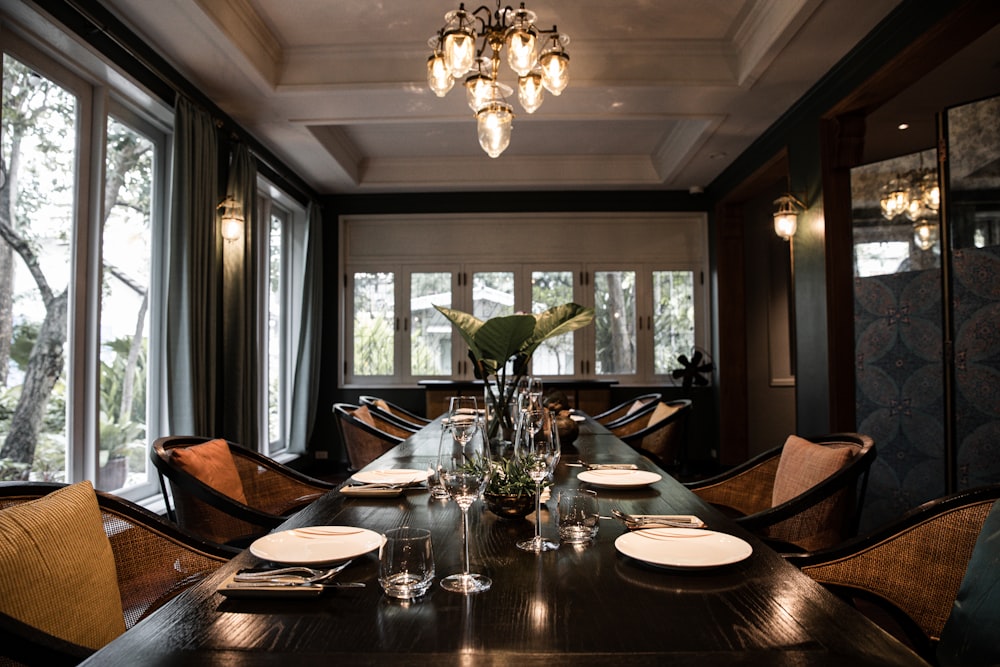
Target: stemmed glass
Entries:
(464, 465)
(463, 415)
(537, 444)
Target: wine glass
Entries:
(529, 393)
(464, 465)
(537, 444)
(463, 416)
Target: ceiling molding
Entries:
(245, 29)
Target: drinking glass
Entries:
(406, 562)
(464, 465)
(537, 444)
(578, 515)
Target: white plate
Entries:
(683, 547)
(619, 479)
(316, 545)
(391, 476)
(578, 418)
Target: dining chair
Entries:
(227, 493)
(107, 563)
(394, 412)
(663, 437)
(803, 495)
(626, 408)
(366, 435)
(908, 575)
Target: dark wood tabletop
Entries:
(586, 605)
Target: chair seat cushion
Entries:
(57, 569)
(805, 464)
(212, 464)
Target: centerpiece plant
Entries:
(500, 349)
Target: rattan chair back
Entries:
(155, 561)
(273, 492)
(363, 441)
(910, 569)
(621, 410)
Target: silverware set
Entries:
(655, 520)
(295, 576)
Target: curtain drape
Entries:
(192, 284)
(239, 412)
(305, 383)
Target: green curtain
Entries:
(238, 346)
(192, 270)
(305, 385)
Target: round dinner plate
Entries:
(619, 479)
(316, 545)
(689, 548)
(391, 476)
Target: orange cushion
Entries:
(364, 414)
(805, 464)
(638, 405)
(212, 463)
(57, 569)
(661, 412)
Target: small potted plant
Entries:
(510, 493)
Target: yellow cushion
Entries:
(212, 463)
(57, 569)
(805, 464)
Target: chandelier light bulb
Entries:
(478, 91)
(494, 124)
(530, 91)
(439, 79)
(925, 234)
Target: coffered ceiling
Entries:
(663, 94)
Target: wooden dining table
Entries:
(580, 605)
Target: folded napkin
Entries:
(374, 490)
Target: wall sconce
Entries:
(787, 216)
(232, 219)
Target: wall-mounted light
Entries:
(786, 218)
(232, 219)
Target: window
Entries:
(282, 222)
(650, 307)
(78, 278)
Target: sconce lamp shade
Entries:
(232, 219)
(786, 218)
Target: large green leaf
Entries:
(556, 321)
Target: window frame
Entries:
(102, 93)
(377, 249)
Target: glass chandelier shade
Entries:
(494, 123)
(459, 50)
(439, 78)
(455, 54)
(925, 234)
(530, 91)
(895, 198)
(521, 50)
(555, 70)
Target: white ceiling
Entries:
(663, 94)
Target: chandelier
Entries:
(916, 196)
(538, 57)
